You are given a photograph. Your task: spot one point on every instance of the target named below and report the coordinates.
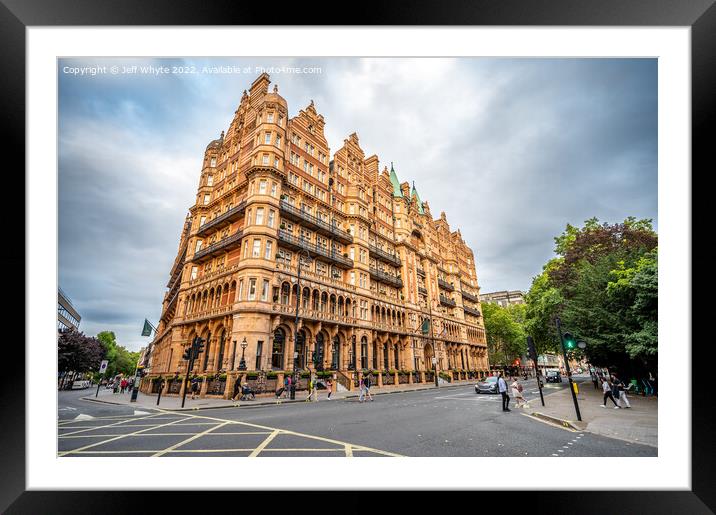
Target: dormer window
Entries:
(269, 117)
(213, 162)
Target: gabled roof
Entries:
(394, 181)
(414, 193)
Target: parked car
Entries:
(80, 384)
(489, 385)
(553, 376)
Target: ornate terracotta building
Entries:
(375, 264)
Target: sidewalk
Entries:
(638, 424)
(173, 403)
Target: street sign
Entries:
(103, 366)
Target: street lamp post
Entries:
(242, 363)
(295, 332)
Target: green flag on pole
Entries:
(147, 331)
(425, 328)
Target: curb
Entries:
(261, 404)
(559, 421)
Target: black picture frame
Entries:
(699, 15)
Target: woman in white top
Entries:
(517, 393)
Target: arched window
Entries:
(386, 363)
(207, 346)
(396, 352)
(306, 298)
(279, 339)
(320, 348)
(364, 352)
(375, 355)
(336, 353)
(222, 342)
(301, 350)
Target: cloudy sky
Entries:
(511, 149)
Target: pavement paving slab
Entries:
(638, 424)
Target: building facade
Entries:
(504, 298)
(67, 315)
(374, 263)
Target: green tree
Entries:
(506, 339)
(77, 352)
(120, 360)
(603, 285)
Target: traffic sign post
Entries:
(102, 370)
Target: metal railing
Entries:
(387, 278)
(469, 296)
(316, 222)
(227, 216)
(472, 311)
(219, 245)
(447, 301)
(383, 255)
(446, 285)
(290, 239)
(422, 290)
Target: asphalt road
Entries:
(446, 422)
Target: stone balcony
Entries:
(445, 285)
(386, 278)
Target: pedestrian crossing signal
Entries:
(569, 341)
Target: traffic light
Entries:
(531, 348)
(187, 353)
(569, 341)
(198, 346)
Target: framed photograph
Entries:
(431, 237)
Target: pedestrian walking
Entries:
(361, 388)
(622, 392)
(329, 387)
(286, 386)
(502, 388)
(122, 385)
(194, 387)
(367, 382)
(607, 388)
(517, 394)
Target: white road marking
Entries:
(263, 444)
(197, 435)
(82, 416)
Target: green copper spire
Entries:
(394, 182)
(417, 197)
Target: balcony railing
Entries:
(448, 302)
(445, 285)
(223, 219)
(383, 255)
(321, 226)
(469, 296)
(422, 290)
(420, 271)
(472, 311)
(386, 278)
(299, 243)
(220, 246)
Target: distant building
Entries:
(67, 315)
(504, 298)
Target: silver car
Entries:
(489, 385)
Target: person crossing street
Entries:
(502, 388)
